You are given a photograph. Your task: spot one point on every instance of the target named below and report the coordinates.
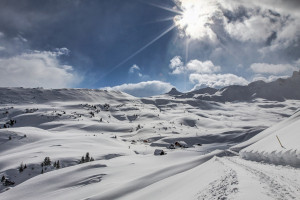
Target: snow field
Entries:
(122, 138)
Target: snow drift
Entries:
(266, 146)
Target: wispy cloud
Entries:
(137, 71)
(134, 69)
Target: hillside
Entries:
(111, 145)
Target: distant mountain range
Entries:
(278, 90)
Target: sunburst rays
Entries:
(174, 10)
(139, 51)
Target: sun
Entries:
(193, 18)
(196, 19)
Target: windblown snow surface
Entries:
(212, 150)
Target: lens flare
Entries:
(138, 51)
(196, 19)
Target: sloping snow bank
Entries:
(266, 147)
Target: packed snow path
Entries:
(264, 181)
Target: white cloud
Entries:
(265, 68)
(205, 67)
(175, 62)
(264, 18)
(268, 79)
(204, 20)
(254, 29)
(203, 73)
(134, 69)
(61, 51)
(1, 34)
(287, 36)
(37, 69)
(282, 6)
(143, 89)
(200, 17)
(297, 63)
(2, 48)
(193, 66)
(216, 80)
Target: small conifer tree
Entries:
(82, 159)
(21, 167)
(3, 178)
(87, 157)
(47, 161)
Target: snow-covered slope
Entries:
(40, 95)
(278, 90)
(278, 144)
(121, 134)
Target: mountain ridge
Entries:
(277, 90)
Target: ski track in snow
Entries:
(224, 188)
(272, 179)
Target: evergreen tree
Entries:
(47, 161)
(25, 166)
(82, 159)
(87, 157)
(3, 178)
(54, 165)
(57, 165)
(42, 171)
(21, 167)
(92, 159)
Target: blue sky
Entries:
(146, 47)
